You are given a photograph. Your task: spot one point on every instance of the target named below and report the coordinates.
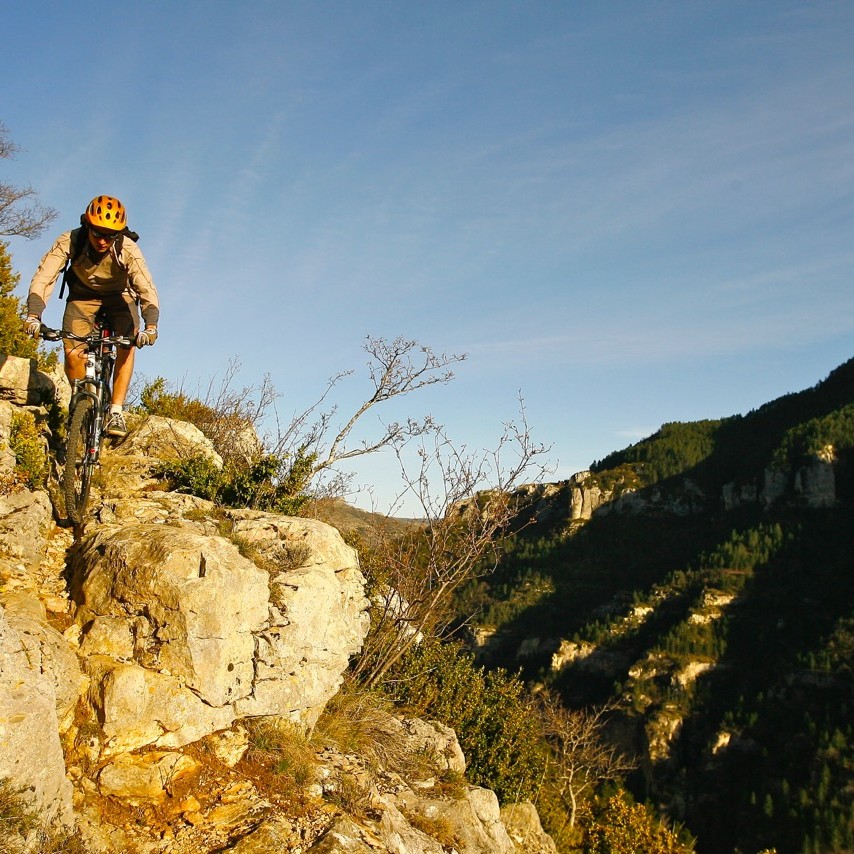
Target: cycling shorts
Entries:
(79, 316)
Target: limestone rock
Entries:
(475, 818)
(214, 634)
(229, 746)
(130, 465)
(7, 456)
(815, 483)
(22, 383)
(399, 835)
(585, 496)
(775, 482)
(345, 837)
(24, 517)
(47, 651)
(144, 778)
(199, 602)
(138, 707)
(435, 740)
(31, 757)
(661, 729)
(318, 615)
(154, 506)
(524, 828)
(161, 438)
(272, 835)
(111, 636)
(62, 388)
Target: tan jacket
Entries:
(116, 272)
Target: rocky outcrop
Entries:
(22, 383)
(7, 456)
(815, 482)
(31, 756)
(524, 828)
(586, 496)
(24, 520)
(811, 485)
(205, 636)
(134, 658)
(318, 615)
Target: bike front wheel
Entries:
(79, 459)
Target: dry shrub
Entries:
(352, 795)
(451, 785)
(226, 415)
(437, 827)
(281, 746)
(17, 818)
(22, 830)
(359, 722)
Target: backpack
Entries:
(78, 247)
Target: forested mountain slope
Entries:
(711, 595)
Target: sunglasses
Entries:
(109, 236)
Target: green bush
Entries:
(14, 341)
(615, 825)
(31, 460)
(195, 475)
(496, 724)
(263, 482)
(256, 486)
(269, 484)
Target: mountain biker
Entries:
(108, 272)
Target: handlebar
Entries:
(93, 339)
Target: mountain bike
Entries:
(88, 411)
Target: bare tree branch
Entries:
(582, 756)
(468, 503)
(24, 220)
(396, 368)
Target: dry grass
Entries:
(352, 795)
(438, 827)
(281, 746)
(359, 722)
(23, 830)
(17, 818)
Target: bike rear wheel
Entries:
(79, 459)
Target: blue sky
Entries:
(627, 212)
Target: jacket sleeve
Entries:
(141, 283)
(45, 276)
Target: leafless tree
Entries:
(581, 755)
(315, 441)
(20, 213)
(467, 501)
(396, 368)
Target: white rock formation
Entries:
(31, 756)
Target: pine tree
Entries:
(13, 339)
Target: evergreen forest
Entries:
(721, 631)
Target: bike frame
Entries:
(96, 385)
(100, 348)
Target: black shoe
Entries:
(116, 426)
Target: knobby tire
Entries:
(77, 476)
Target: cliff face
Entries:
(137, 654)
(811, 485)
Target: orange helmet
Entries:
(106, 212)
